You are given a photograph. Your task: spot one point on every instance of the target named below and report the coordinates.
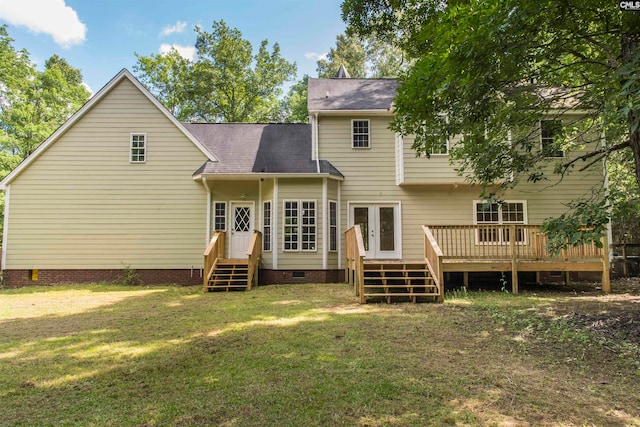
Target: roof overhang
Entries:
(388, 112)
(255, 176)
(124, 74)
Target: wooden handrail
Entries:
(215, 250)
(504, 241)
(254, 253)
(433, 258)
(354, 265)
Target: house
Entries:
(124, 185)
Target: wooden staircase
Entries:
(398, 279)
(229, 275)
(222, 274)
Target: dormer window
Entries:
(360, 135)
(138, 151)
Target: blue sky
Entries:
(100, 37)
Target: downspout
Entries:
(275, 215)
(606, 191)
(315, 142)
(208, 232)
(325, 234)
(5, 229)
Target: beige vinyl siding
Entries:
(370, 177)
(300, 189)
(82, 204)
(427, 170)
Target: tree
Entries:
(33, 103)
(350, 52)
(363, 57)
(490, 70)
(295, 103)
(169, 77)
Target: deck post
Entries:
(606, 279)
(465, 279)
(567, 278)
(514, 262)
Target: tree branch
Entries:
(602, 152)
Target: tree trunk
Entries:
(630, 49)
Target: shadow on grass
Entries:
(279, 355)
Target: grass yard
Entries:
(309, 355)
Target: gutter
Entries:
(315, 141)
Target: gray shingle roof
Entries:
(351, 94)
(258, 148)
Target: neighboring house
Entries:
(123, 184)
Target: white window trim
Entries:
(264, 202)
(300, 225)
(501, 240)
(542, 142)
(329, 226)
(226, 215)
(368, 147)
(442, 154)
(146, 148)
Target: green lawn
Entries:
(309, 355)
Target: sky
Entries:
(101, 37)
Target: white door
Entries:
(380, 226)
(241, 229)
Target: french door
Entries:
(380, 226)
(241, 229)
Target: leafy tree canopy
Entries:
(491, 70)
(363, 57)
(33, 104)
(227, 82)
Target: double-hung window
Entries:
(549, 132)
(333, 226)
(266, 226)
(491, 218)
(220, 216)
(138, 148)
(360, 134)
(300, 232)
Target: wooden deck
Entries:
(474, 248)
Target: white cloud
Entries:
(51, 17)
(187, 52)
(178, 27)
(87, 87)
(315, 56)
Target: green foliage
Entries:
(33, 103)
(130, 277)
(226, 82)
(169, 78)
(363, 57)
(491, 70)
(295, 104)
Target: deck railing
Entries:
(504, 242)
(433, 257)
(215, 250)
(354, 254)
(254, 253)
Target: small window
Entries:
(549, 131)
(220, 216)
(492, 214)
(266, 226)
(138, 153)
(360, 133)
(441, 146)
(333, 226)
(299, 231)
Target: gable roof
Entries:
(123, 74)
(342, 94)
(248, 148)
